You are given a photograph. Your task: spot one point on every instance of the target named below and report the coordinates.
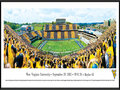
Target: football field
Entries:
(63, 47)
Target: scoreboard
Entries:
(60, 21)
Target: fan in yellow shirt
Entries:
(56, 63)
(27, 59)
(31, 64)
(5, 59)
(76, 64)
(97, 52)
(31, 61)
(110, 53)
(83, 57)
(92, 56)
(105, 43)
(10, 55)
(38, 64)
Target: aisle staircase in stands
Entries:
(79, 44)
(42, 45)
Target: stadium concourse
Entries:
(19, 53)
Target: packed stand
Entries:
(101, 54)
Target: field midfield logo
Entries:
(114, 73)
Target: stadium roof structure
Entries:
(91, 31)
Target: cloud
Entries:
(75, 15)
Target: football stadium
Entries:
(60, 45)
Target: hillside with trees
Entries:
(13, 25)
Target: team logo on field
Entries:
(114, 73)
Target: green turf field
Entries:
(36, 43)
(62, 46)
(37, 28)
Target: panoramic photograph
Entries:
(59, 38)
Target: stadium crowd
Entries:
(101, 54)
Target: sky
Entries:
(74, 15)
